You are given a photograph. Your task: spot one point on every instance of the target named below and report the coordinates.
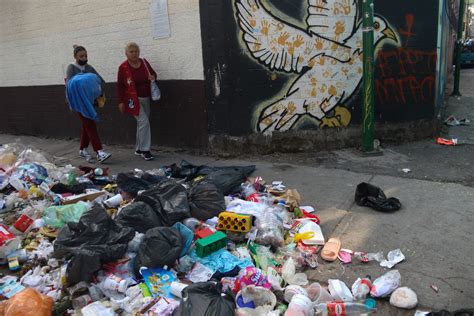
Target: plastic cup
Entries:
(318, 294)
(114, 201)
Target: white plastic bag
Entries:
(155, 91)
(386, 284)
(340, 291)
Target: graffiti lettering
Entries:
(407, 33)
(405, 75)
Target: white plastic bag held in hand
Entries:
(155, 91)
(386, 284)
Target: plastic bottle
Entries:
(115, 283)
(361, 288)
(300, 305)
(343, 309)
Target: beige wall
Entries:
(36, 38)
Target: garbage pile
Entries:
(178, 240)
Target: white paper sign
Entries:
(160, 23)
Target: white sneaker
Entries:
(83, 153)
(103, 155)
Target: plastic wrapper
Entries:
(386, 284)
(290, 276)
(199, 273)
(393, 257)
(28, 302)
(253, 276)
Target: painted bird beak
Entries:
(388, 32)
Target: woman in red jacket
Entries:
(133, 81)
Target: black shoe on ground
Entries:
(147, 155)
(138, 152)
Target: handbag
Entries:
(155, 90)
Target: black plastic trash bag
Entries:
(96, 239)
(226, 179)
(204, 299)
(369, 195)
(161, 246)
(205, 200)
(131, 184)
(169, 200)
(140, 216)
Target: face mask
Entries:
(82, 62)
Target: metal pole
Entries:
(459, 43)
(368, 76)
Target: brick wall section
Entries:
(36, 38)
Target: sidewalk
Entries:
(433, 229)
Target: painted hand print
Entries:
(326, 59)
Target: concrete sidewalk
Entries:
(433, 229)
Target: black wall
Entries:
(236, 83)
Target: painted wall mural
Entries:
(325, 59)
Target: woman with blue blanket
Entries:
(84, 88)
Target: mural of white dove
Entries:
(327, 58)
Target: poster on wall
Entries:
(159, 18)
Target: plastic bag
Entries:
(28, 302)
(226, 179)
(199, 273)
(372, 196)
(290, 276)
(270, 227)
(204, 299)
(94, 240)
(169, 200)
(404, 297)
(386, 284)
(31, 172)
(140, 216)
(393, 257)
(340, 291)
(58, 216)
(131, 184)
(205, 200)
(161, 246)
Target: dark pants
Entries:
(89, 134)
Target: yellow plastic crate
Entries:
(234, 222)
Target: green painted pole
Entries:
(368, 76)
(457, 70)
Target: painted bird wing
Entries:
(277, 44)
(332, 19)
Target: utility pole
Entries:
(368, 80)
(459, 44)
